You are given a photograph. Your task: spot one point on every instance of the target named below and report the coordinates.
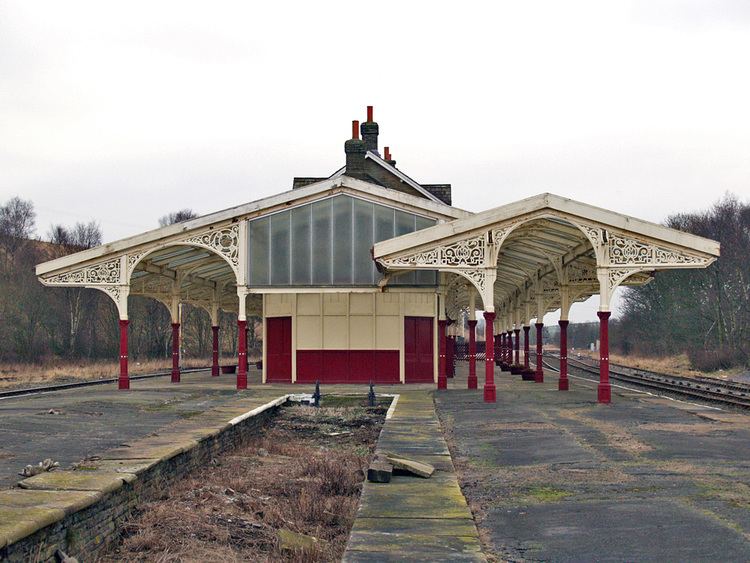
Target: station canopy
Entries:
(540, 254)
(520, 260)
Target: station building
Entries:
(357, 276)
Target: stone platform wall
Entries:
(79, 511)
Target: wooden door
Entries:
(279, 349)
(418, 350)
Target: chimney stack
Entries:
(355, 153)
(387, 156)
(370, 132)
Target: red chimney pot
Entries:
(355, 129)
(369, 113)
(387, 153)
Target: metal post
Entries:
(175, 352)
(604, 389)
(517, 361)
(472, 384)
(124, 381)
(442, 363)
(215, 352)
(539, 375)
(242, 355)
(562, 384)
(526, 330)
(490, 394)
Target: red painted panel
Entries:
(418, 349)
(347, 366)
(279, 349)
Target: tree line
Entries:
(38, 323)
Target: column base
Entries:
(215, 371)
(605, 393)
(527, 375)
(538, 377)
(123, 384)
(442, 383)
(490, 394)
(562, 384)
(175, 376)
(472, 382)
(241, 381)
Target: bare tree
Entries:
(177, 217)
(80, 302)
(17, 221)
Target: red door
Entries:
(418, 351)
(279, 349)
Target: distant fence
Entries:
(462, 350)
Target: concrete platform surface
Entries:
(554, 476)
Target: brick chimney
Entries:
(387, 157)
(355, 150)
(370, 132)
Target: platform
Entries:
(553, 475)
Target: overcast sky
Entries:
(123, 112)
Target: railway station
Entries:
(367, 277)
(358, 277)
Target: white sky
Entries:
(123, 112)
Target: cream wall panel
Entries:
(335, 303)
(388, 332)
(419, 304)
(335, 332)
(387, 303)
(361, 303)
(309, 333)
(308, 304)
(279, 305)
(361, 332)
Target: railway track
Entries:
(89, 383)
(717, 391)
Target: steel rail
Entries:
(87, 383)
(732, 393)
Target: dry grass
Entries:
(58, 371)
(673, 365)
(615, 434)
(295, 476)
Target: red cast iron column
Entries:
(490, 394)
(442, 360)
(605, 391)
(124, 381)
(539, 375)
(509, 351)
(472, 355)
(517, 361)
(562, 384)
(215, 358)
(175, 352)
(242, 355)
(526, 330)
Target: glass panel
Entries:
(301, 241)
(280, 240)
(364, 266)
(423, 222)
(258, 233)
(321, 240)
(404, 223)
(342, 240)
(384, 218)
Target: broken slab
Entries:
(418, 468)
(380, 471)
